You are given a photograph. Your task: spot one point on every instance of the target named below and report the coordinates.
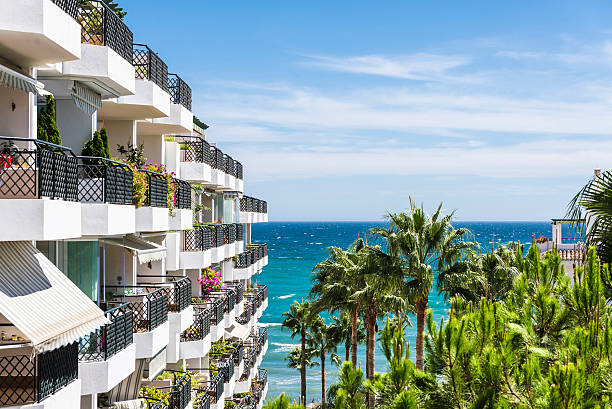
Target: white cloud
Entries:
(420, 66)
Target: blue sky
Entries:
(342, 110)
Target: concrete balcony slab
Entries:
(149, 219)
(102, 376)
(103, 219)
(40, 219)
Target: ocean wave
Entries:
(282, 297)
(269, 324)
(284, 347)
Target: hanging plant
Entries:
(210, 280)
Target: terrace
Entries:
(227, 173)
(173, 386)
(209, 243)
(180, 118)
(149, 305)
(106, 51)
(154, 215)
(108, 355)
(253, 210)
(39, 32)
(217, 313)
(195, 341)
(151, 98)
(212, 395)
(259, 387)
(251, 261)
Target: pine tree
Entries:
(97, 146)
(47, 127)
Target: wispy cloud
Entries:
(419, 67)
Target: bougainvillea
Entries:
(211, 280)
(542, 239)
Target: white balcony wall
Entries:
(39, 219)
(38, 32)
(20, 122)
(149, 101)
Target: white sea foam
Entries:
(269, 324)
(284, 347)
(282, 297)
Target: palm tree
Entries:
(591, 213)
(344, 323)
(350, 388)
(324, 339)
(429, 247)
(334, 281)
(297, 320)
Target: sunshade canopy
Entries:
(85, 98)
(40, 301)
(12, 79)
(143, 249)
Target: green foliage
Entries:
(139, 184)
(282, 402)
(350, 389)
(115, 8)
(47, 127)
(154, 393)
(169, 176)
(133, 155)
(199, 123)
(97, 146)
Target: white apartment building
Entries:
(103, 303)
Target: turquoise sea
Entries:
(295, 247)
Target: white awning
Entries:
(237, 331)
(85, 98)
(143, 249)
(40, 301)
(12, 79)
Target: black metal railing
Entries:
(157, 189)
(201, 324)
(198, 239)
(179, 391)
(182, 195)
(69, 6)
(103, 180)
(262, 335)
(262, 293)
(238, 290)
(149, 66)
(252, 302)
(214, 390)
(193, 149)
(239, 232)
(216, 306)
(148, 303)
(225, 364)
(217, 158)
(228, 296)
(180, 92)
(239, 353)
(27, 379)
(250, 204)
(176, 288)
(30, 168)
(101, 26)
(110, 338)
(239, 170)
(245, 317)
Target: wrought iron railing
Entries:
(216, 306)
(252, 301)
(27, 379)
(103, 180)
(217, 158)
(238, 290)
(262, 335)
(194, 149)
(198, 239)
(101, 26)
(69, 6)
(111, 338)
(239, 353)
(258, 385)
(239, 232)
(228, 296)
(225, 365)
(179, 91)
(30, 168)
(176, 288)
(148, 303)
(149, 66)
(157, 189)
(239, 170)
(182, 195)
(213, 390)
(262, 292)
(201, 324)
(250, 204)
(245, 317)
(180, 390)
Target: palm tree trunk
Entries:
(323, 378)
(347, 348)
(421, 305)
(303, 367)
(370, 345)
(354, 335)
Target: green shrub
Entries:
(97, 146)
(47, 126)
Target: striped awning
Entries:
(12, 79)
(237, 331)
(143, 249)
(40, 301)
(85, 98)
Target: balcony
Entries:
(259, 387)
(108, 355)
(180, 119)
(244, 402)
(106, 193)
(49, 379)
(251, 261)
(194, 159)
(243, 384)
(106, 51)
(182, 218)
(150, 310)
(228, 296)
(154, 215)
(151, 99)
(253, 210)
(31, 170)
(226, 172)
(39, 32)
(196, 340)
(211, 393)
(262, 296)
(224, 362)
(173, 386)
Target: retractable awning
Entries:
(237, 331)
(40, 301)
(145, 250)
(85, 98)
(12, 79)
